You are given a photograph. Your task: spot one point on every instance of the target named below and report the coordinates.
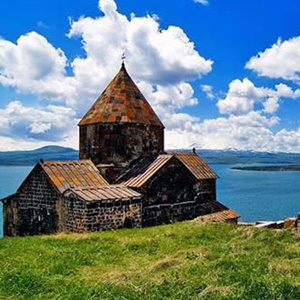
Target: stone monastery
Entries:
(123, 178)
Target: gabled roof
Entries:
(121, 102)
(199, 168)
(145, 169)
(104, 193)
(69, 173)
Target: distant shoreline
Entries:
(225, 157)
(275, 168)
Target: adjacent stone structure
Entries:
(69, 196)
(100, 208)
(174, 187)
(123, 178)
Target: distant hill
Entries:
(210, 156)
(276, 168)
(31, 157)
(248, 157)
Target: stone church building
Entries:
(123, 178)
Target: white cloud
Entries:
(33, 65)
(247, 126)
(250, 131)
(171, 98)
(204, 2)
(164, 59)
(55, 124)
(208, 90)
(287, 141)
(240, 98)
(243, 95)
(159, 56)
(282, 60)
(39, 127)
(271, 105)
(162, 62)
(109, 7)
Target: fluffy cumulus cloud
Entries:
(243, 95)
(240, 98)
(30, 126)
(281, 60)
(33, 65)
(249, 122)
(252, 131)
(157, 56)
(164, 76)
(163, 62)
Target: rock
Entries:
(290, 223)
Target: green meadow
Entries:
(179, 261)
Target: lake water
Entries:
(10, 179)
(254, 195)
(257, 195)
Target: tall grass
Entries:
(179, 261)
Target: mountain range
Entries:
(231, 156)
(31, 157)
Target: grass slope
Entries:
(179, 261)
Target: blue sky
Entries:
(220, 74)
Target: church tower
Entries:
(121, 126)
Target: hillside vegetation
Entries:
(178, 261)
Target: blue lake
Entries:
(259, 195)
(254, 195)
(10, 179)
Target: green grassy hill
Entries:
(179, 261)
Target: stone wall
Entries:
(35, 207)
(113, 215)
(174, 194)
(168, 213)
(10, 214)
(175, 184)
(119, 144)
(72, 213)
(205, 191)
(81, 216)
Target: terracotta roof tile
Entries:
(72, 173)
(121, 102)
(144, 170)
(196, 165)
(216, 212)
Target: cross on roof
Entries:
(123, 58)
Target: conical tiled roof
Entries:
(121, 102)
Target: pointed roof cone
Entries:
(121, 102)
